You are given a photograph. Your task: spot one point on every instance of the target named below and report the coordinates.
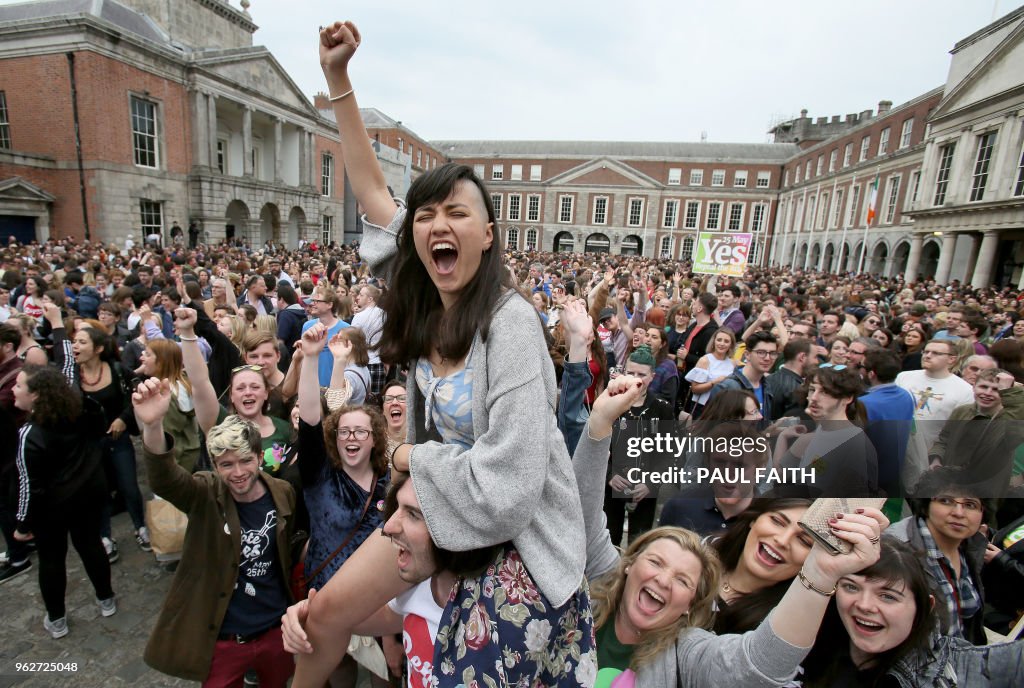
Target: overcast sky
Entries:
(664, 70)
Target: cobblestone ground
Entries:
(108, 651)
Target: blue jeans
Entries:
(572, 409)
(119, 456)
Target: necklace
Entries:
(88, 382)
(729, 590)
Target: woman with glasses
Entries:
(343, 466)
(945, 525)
(395, 415)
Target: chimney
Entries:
(803, 114)
(835, 119)
(884, 106)
(866, 114)
(321, 102)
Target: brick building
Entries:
(154, 112)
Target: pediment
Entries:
(604, 172)
(997, 73)
(259, 73)
(22, 190)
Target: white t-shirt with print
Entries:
(419, 629)
(934, 399)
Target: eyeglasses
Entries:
(248, 366)
(874, 322)
(933, 352)
(950, 503)
(388, 398)
(833, 366)
(764, 353)
(358, 433)
(318, 301)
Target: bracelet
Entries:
(335, 99)
(811, 586)
(188, 339)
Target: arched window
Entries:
(666, 247)
(513, 237)
(531, 240)
(687, 253)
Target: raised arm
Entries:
(62, 355)
(338, 43)
(311, 344)
(203, 396)
(169, 480)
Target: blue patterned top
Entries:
(449, 402)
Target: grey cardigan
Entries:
(699, 658)
(516, 482)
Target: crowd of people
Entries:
(413, 452)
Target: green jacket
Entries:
(982, 444)
(183, 640)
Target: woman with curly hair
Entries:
(343, 465)
(62, 490)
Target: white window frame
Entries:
(326, 174)
(686, 251)
(562, 208)
(947, 153)
(837, 208)
(764, 179)
(735, 223)
(222, 155)
(696, 177)
(603, 219)
(497, 173)
(851, 210)
(531, 240)
(533, 208)
(892, 193)
(848, 154)
(479, 171)
(419, 158)
(326, 229)
(865, 146)
(675, 176)
(512, 238)
(807, 170)
(696, 215)
(717, 177)
(906, 133)
(141, 123)
(758, 215)
(496, 201)
(832, 157)
(883, 141)
(536, 173)
(820, 166)
(5, 123)
(1018, 185)
(714, 221)
(915, 188)
(639, 203)
(823, 210)
(982, 168)
(739, 179)
(666, 250)
(796, 174)
(148, 212)
(515, 207)
(670, 216)
(517, 173)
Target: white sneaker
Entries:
(110, 545)
(142, 539)
(58, 628)
(107, 607)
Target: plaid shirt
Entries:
(960, 594)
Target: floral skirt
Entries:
(498, 630)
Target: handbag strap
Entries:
(351, 534)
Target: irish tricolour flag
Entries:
(872, 200)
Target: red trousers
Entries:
(266, 655)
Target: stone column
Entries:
(986, 259)
(200, 138)
(972, 257)
(945, 258)
(914, 259)
(962, 169)
(211, 110)
(247, 141)
(314, 179)
(1004, 163)
(277, 150)
(303, 157)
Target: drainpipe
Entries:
(78, 143)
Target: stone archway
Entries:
(270, 224)
(857, 255)
(929, 259)
(830, 256)
(815, 256)
(236, 222)
(900, 256)
(564, 242)
(296, 221)
(632, 245)
(878, 257)
(597, 243)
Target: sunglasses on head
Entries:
(833, 366)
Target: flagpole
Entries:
(870, 215)
(842, 247)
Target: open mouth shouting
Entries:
(866, 626)
(445, 256)
(768, 556)
(649, 601)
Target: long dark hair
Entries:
(745, 613)
(416, 320)
(828, 658)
